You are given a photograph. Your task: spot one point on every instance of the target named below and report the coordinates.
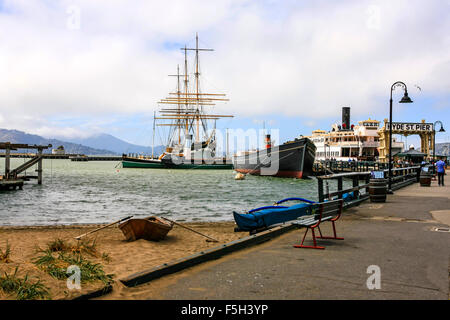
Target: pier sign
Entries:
(407, 126)
(371, 124)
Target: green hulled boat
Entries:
(130, 162)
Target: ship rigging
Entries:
(186, 114)
(191, 140)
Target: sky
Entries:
(82, 67)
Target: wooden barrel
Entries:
(377, 190)
(425, 179)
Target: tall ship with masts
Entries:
(191, 142)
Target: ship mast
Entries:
(179, 122)
(197, 87)
(186, 86)
(193, 112)
(153, 140)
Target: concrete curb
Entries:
(95, 293)
(203, 256)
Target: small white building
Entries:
(60, 150)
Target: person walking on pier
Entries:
(440, 165)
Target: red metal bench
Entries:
(324, 211)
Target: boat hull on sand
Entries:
(150, 228)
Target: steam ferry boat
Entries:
(347, 141)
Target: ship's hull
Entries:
(150, 228)
(291, 160)
(268, 217)
(128, 162)
(132, 163)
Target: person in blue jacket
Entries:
(440, 165)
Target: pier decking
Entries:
(10, 184)
(95, 158)
(73, 157)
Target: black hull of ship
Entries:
(295, 160)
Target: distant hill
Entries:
(443, 149)
(15, 136)
(99, 144)
(112, 143)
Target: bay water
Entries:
(102, 191)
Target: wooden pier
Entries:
(331, 167)
(73, 157)
(10, 184)
(11, 178)
(95, 158)
(31, 155)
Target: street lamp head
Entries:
(442, 126)
(406, 98)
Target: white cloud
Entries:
(319, 59)
(290, 57)
(61, 133)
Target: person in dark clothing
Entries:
(440, 165)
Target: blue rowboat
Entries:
(348, 196)
(266, 216)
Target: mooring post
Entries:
(355, 184)
(39, 170)
(340, 187)
(320, 189)
(7, 162)
(367, 182)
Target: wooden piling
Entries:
(320, 189)
(340, 187)
(39, 170)
(7, 162)
(356, 184)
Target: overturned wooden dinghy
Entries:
(150, 228)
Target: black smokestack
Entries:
(346, 118)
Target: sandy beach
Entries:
(113, 252)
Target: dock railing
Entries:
(401, 177)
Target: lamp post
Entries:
(434, 137)
(405, 99)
